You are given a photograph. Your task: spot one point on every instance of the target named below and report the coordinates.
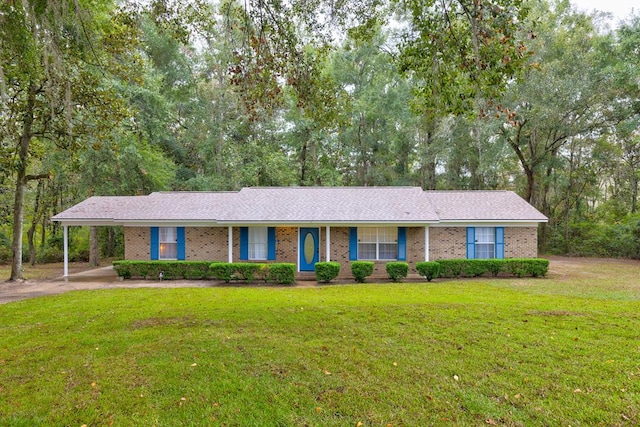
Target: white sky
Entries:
(621, 9)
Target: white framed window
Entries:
(258, 243)
(485, 242)
(377, 243)
(168, 239)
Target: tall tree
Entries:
(55, 58)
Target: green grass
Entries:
(537, 352)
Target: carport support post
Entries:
(66, 250)
(328, 243)
(230, 245)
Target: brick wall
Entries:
(137, 243)
(447, 243)
(520, 242)
(415, 245)
(206, 243)
(287, 244)
(450, 242)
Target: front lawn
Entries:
(531, 352)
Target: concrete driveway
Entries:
(98, 278)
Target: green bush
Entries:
(282, 273)
(538, 267)
(494, 266)
(397, 270)
(169, 269)
(519, 267)
(327, 271)
(451, 267)
(534, 267)
(361, 270)
(428, 269)
(221, 271)
(248, 271)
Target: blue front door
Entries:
(309, 248)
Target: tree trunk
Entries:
(34, 224)
(111, 243)
(21, 185)
(94, 249)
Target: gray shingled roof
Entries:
(300, 205)
(483, 206)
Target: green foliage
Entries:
(247, 271)
(326, 271)
(519, 267)
(281, 273)
(618, 238)
(451, 267)
(428, 269)
(361, 270)
(169, 269)
(222, 271)
(397, 270)
(534, 267)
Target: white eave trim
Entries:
(488, 223)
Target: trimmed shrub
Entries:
(451, 267)
(538, 267)
(516, 267)
(221, 271)
(474, 267)
(494, 266)
(519, 267)
(361, 270)
(327, 271)
(428, 269)
(169, 269)
(282, 273)
(247, 271)
(397, 270)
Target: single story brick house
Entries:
(304, 225)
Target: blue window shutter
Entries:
(271, 243)
(155, 243)
(499, 242)
(353, 243)
(182, 252)
(471, 242)
(244, 243)
(402, 243)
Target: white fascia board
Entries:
(327, 224)
(85, 222)
(168, 223)
(487, 223)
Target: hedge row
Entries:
(285, 273)
(169, 269)
(280, 273)
(519, 267)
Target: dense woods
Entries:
(123, 98)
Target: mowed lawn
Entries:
(563, 350)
